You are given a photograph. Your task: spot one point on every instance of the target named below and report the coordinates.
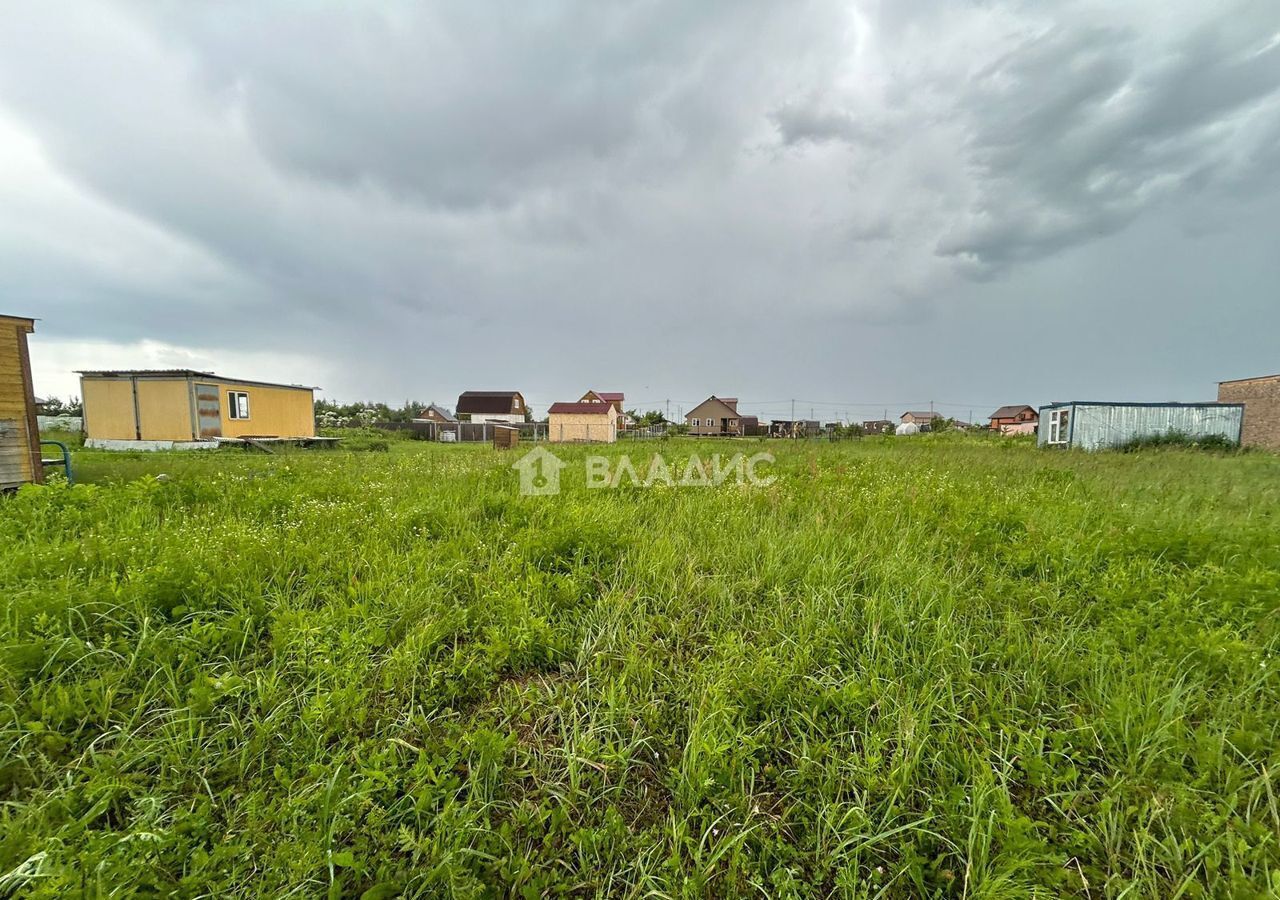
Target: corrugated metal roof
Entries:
(129, 373)
(1058, 403)
(187, 373)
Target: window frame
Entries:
(233, 405)
(1059, 426)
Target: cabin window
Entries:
(695, 423)
(733, 423)
(1059, 426)
(238, 404)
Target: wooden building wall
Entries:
(19, 436)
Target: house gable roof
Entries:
(1008, 412)
(713, 403)
(491, 402)
(613, 398)
(582, 408)
(439, 411)
(921, 415)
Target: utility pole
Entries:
(667, 414)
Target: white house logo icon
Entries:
(539, 472)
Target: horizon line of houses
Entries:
(155, 408)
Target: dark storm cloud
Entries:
(1076, 132)
(342, 183)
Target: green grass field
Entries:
(937, 667)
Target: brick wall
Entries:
(1261, 399)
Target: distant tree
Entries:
(652, 417)
(55, 406)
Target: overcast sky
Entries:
(858, 205)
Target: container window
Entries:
(238, 404)
(1059, 426)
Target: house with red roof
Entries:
(586, 420)
(613, 398)
(1018, 418)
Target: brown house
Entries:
(19, 434)
(877, 426)
(920, 418)
(1261, 399)
(506, 407)
(1015, 419)
(613, 398)
(715, 416)
(437, 414)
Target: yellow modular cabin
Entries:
(19, 434)
(182, 405)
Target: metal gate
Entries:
(208, 412)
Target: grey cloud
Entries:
(386, 188)
(1074, 134)
(800, 122)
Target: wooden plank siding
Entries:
(19, 433)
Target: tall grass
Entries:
(942, 667)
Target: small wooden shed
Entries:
(505, 437)
(19, 432)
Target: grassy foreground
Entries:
(926, 667)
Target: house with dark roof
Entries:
(437, 414)
(506, 407)
(877, 426)
(715, 416)
(1015, 419)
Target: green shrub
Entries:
(1177, 439)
